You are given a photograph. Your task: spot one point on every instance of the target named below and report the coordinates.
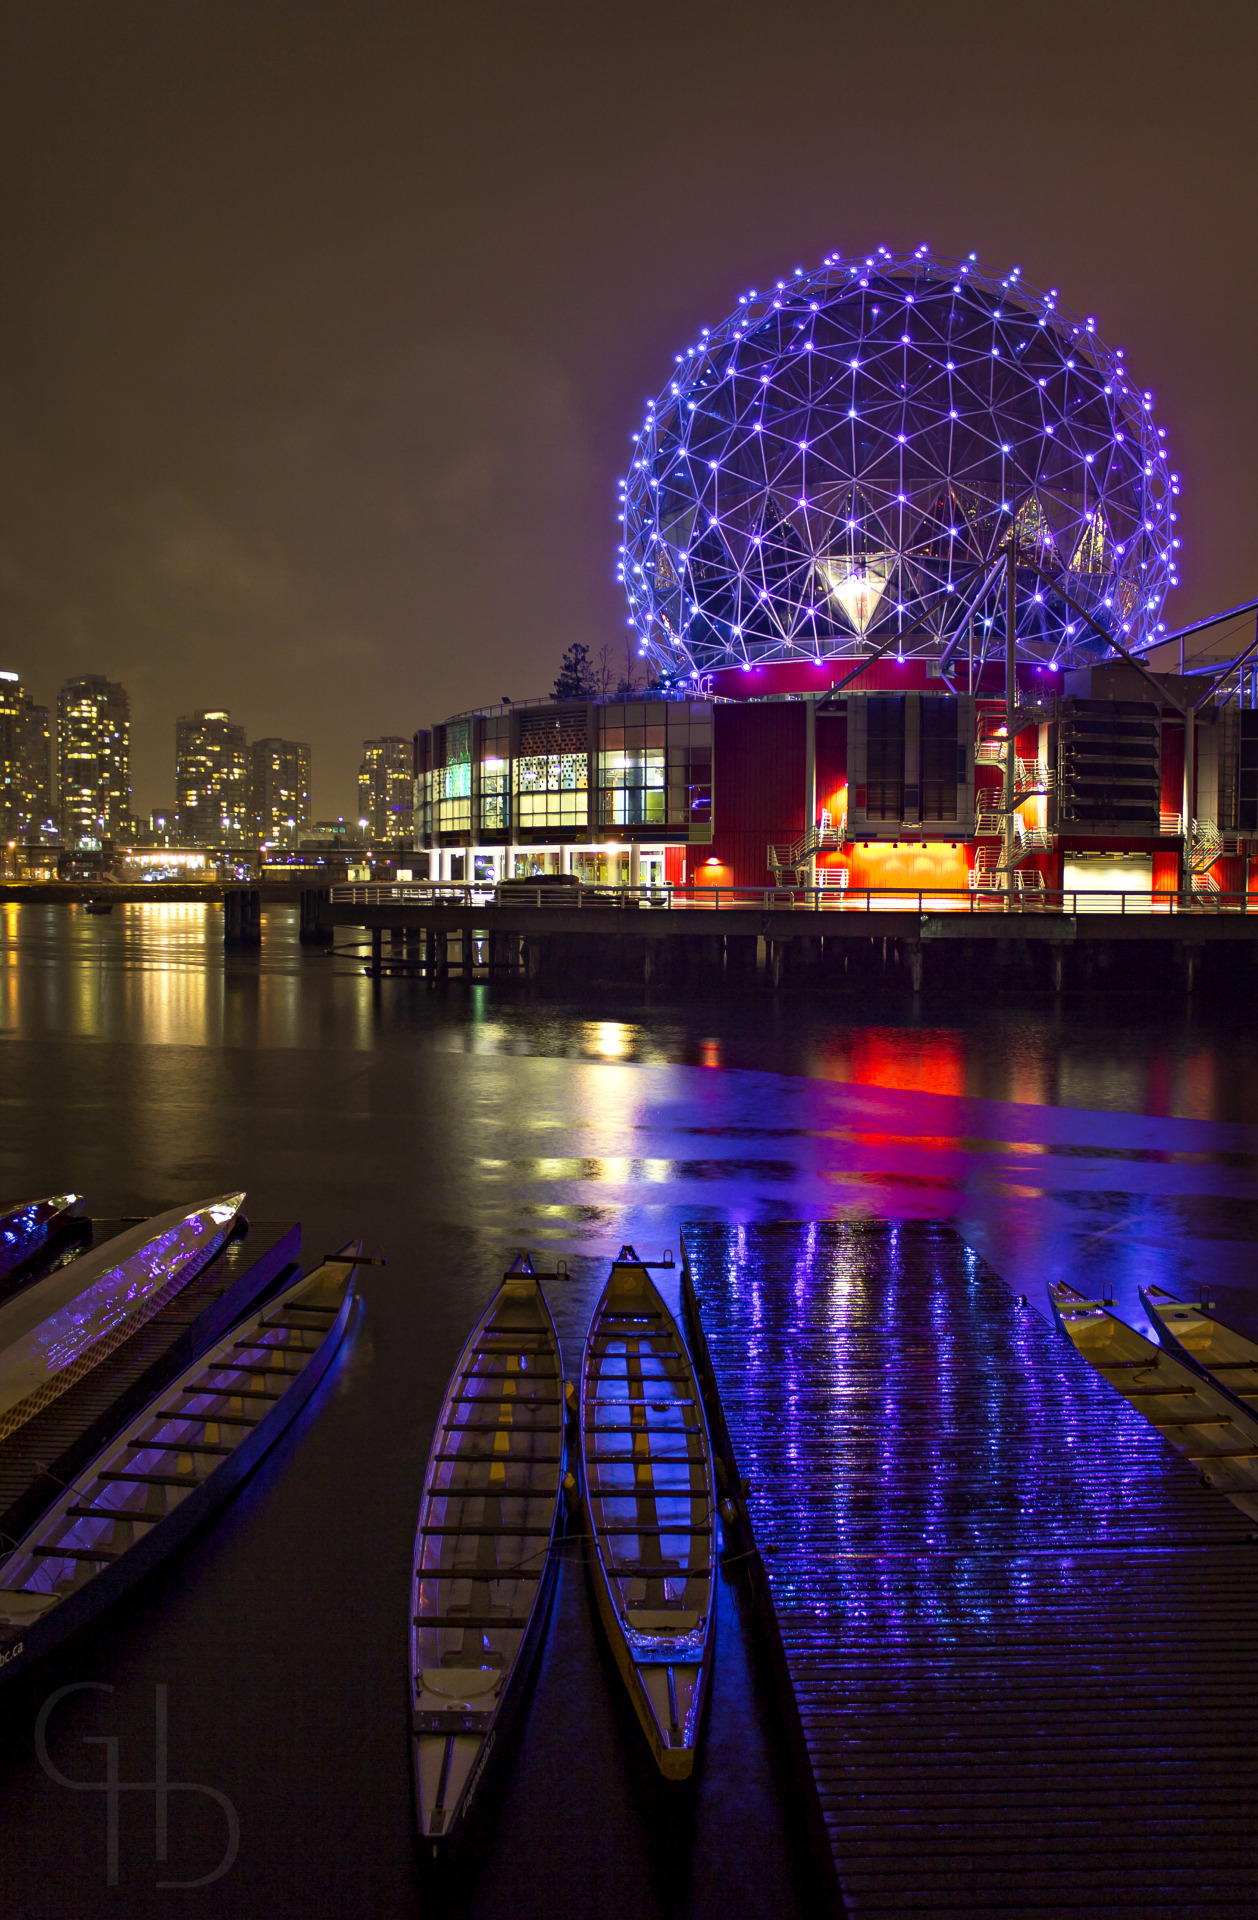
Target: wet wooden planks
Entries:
(1014, 1623)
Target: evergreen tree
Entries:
(576, 675)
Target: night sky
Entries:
(324, 327)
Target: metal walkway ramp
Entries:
(1019, 1633)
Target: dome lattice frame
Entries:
(838, 468)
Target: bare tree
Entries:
(632, 677)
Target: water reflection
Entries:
(162, 970)
(141, 1064)
(1034, 1127)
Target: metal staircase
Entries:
(987, 877)
(1205, 845)
(1027, 840)
(989, 816)
(791, 865)
(1029, 775)
(989, 872)
(992, 871)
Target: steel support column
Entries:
(1011, 701)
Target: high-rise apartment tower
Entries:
(93, 760)
(25, 763)
(279, 791)
(386, 790)
(211, 779)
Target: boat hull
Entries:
(658, 1609)
(86, 1602)
(1227, 1359)
(484, 1565)
(55, 1331)
(482, 1747)
(675, 1763)
(1217, 1434)
(28, 1232)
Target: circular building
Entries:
(837, 471)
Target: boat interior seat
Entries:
(456, 1682)
(21, 1607)
(662, 1620)
(490, 1658)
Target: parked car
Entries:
(557, 890)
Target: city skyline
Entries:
(13, 680)
(65, 777)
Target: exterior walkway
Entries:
(1017, 1629)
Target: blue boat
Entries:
(56, 1330)
(28, 1229)
(648, 1484)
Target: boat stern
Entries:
(452, 1732)
(670, 1665)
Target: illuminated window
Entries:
(452, 783)
(552, 771)
(552, 790)
(495, 775)
(655, 764)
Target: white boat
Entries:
(56, 1330)
(1230, 1358)
(1203, 1423)
(650, 1504)
(171, 1464)
(484, 1561)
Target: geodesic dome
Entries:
(838, 469)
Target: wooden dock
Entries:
(443, 934)
(1014, 1628)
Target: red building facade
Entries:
(888, 777)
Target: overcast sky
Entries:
(324, 327)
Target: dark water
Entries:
(1114, 1141)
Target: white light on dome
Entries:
(857, 586)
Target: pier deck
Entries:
(746, 936)
(1015, 1626)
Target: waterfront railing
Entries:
(868, 900)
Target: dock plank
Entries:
(1010, 1614)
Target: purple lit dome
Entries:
(841, 464)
